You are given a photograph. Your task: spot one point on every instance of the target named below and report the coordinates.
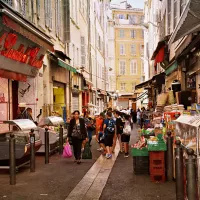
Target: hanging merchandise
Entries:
(162, 99)
(171, 99)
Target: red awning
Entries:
(12, 75)
(160, 56)
(7, 21)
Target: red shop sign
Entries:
(27, 56)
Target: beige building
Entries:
(129, 52)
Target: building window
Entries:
(122, 67)
(122, 49)
(83, 51)
(58, 18)
(121, 16)
(133, 69)
(133, 33)
(9, 2)
(142, 34)
(142, 67)
(38, 8)
(121, 33)
(141, 49)
(175, 12)
(133, 86)
(132, 19)
(169, 15)
(122, 86)
(133, 49)
(142, 19)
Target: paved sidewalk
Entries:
(54, 181)
(123, 184)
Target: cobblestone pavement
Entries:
(123, 184)
(53, 181)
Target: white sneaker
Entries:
(100, 149)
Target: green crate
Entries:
(160, 146)
(139, 152)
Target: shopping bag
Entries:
(67, 152)
(87, 154)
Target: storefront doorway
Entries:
(59, 99)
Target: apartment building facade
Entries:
(129, 52)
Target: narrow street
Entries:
(94, 179)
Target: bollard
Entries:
(12, 159)
(46, 146)
(169, 157)
(32, 151)
(179, 171)
(61, 140)
(191, 176)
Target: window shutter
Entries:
(46, 13)
(38, 8)
(56, 17)
(59, 18)
(50, 14)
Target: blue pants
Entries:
(90, 136)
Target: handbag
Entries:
(87, 154)
(67, 152)
(78, 134)
(127, 129)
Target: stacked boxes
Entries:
(141, 165)
(157, 166)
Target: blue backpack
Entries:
(111, 126)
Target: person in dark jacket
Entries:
(78, 133)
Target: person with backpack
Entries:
(109, 130)
(125, 137)
(119, 129)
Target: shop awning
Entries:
(143, 85)
(16, 22)
(171, 68)
(89, 82)
(158, 79)
(143, 95)
(189, 21)
(13, 75)
(62, 54)
(159, 49)
(63, 64)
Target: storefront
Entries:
(22, 51)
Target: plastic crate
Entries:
(139, 152)
(157, 155)
(157, 163)
(160, 146)
(158, 178)
(157, 170)
(141, 165)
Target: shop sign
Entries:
(2, 98)
(24, 55)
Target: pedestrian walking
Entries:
(125, 137)
(90, 126)
(138, 117)
(99, 132)
(78, 133)
(109, 132)
(119, 129)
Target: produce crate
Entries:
(141, 165)
(158, 178)
(157, 155)
(157, 170)
(139, 152)
(157, 146)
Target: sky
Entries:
(134, 3)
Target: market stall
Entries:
(21, 129)
(53, 123)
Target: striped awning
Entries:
(189, 21)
